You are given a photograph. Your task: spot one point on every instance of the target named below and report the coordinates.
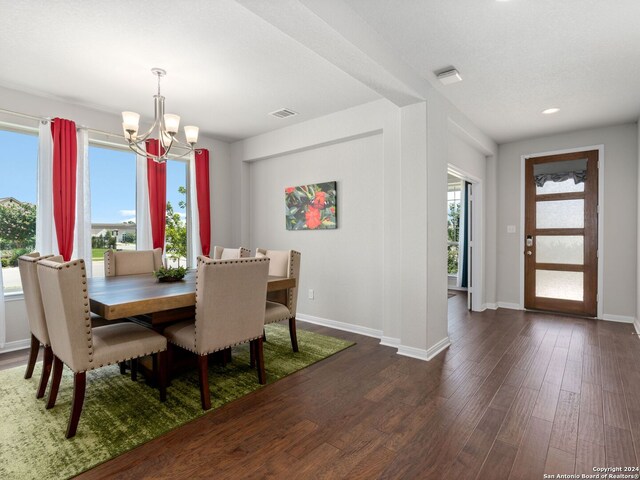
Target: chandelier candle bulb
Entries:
(130, 120)
(191, 133)
(171, 123)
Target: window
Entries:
(113, 202)
(176, 227)
(18, 191)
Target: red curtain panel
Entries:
(157, 182)
(203, 195)
(65, 159)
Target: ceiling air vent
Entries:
(283, 113)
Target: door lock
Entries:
(529, 241)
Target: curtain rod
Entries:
(47, 119)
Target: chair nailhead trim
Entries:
(208, 262)
(93, 367)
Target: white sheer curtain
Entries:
(82, 234)
(143, 218)
(195, 248)
(46, 242)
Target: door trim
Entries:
(478, 258)
(601, 160)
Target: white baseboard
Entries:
(16, 345)
(347, 327)
(636, 324)
(390, 341)
(422, 354)
(510, 306)
(438, 347)
(419, 353)
(457, 289)
(618, 318)
(490, 306)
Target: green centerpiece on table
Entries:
(170, 274)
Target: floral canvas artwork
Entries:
(311, 207)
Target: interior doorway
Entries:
(460, 239)
(561, 233)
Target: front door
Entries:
(561, 233)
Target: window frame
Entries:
(26, 130)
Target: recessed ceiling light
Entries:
(549, 111)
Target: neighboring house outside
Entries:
(10, 200)
(98, 229)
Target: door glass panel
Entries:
(561, 285)
(560, 249)
(565, 186)
(560, 214)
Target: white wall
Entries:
(465, 157)
(620, 212)
(412, 175)
(220, 170)
(342, 266)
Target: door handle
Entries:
(529, 252)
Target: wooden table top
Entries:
(128, 295)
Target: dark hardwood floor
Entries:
(516, 395)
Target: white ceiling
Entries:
(227, 68)
(520, 57)
(231, 63)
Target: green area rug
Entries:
(119, 414)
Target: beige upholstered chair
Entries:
(230, 296)
(284, 263)
(35, 314)
(131, 262)
(76, 344)
(222, 253)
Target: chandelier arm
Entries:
(149, 132)
(181, 144)
(134, 147)
(185, 154)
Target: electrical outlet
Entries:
(311, 294)
(511, 229)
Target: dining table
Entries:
(158, 303)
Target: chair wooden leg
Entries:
(33, 356)
(223, 357)
(260, 361)
(123, 368)
(252, 353)
(169, 363)
(79, 385)
(47, 362)
(162, 374)
(293, 334)
(55, 382)
(134, 369)
(203, 370)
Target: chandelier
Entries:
(164, 129)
